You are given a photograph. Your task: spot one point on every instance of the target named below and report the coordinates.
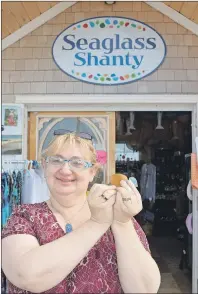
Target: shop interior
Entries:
(152, 150)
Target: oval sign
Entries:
(109, 50)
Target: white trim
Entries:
(120, 107)
(35, 23)
(116, 99)
(108, 102)
(174, 15)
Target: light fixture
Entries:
(132, 118)
(128, 132)
(118, 123)
(159, 121)
(110, 2)
(130, 123)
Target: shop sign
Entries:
(109, 50)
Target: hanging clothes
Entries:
(11, 194)
(19, 181)
(15, 196)
(5, 198)
(148, 182)
(11, 187)
(34, 189)
(189, 223)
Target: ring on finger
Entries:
(129, 188)
(126, 199)
(105, 198)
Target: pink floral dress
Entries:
(97, 272)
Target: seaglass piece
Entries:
(68, 228)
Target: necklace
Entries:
(68, 226)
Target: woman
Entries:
(75, 244)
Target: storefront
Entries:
(35, 78)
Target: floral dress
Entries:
(97, 272)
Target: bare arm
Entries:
(38, 268)
(138, 272)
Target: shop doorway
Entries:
(153, 150)
(110, 104)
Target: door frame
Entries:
(122, 102)
(32, 152)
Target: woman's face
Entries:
(62, 180)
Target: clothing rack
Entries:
(19, 182)
(24, 164)
(20, 161)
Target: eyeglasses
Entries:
(81, 134)
(74, 163)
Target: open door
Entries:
(100, 125)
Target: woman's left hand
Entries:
(128, 202)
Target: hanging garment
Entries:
(34, 188)
(189, 223)
(15, 192)
(10, 185)
(148, 182)
(189, 191)
(5, 200)
(19, 180)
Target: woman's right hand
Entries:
(102, 209)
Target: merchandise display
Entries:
(162, 173)
(20, 186)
